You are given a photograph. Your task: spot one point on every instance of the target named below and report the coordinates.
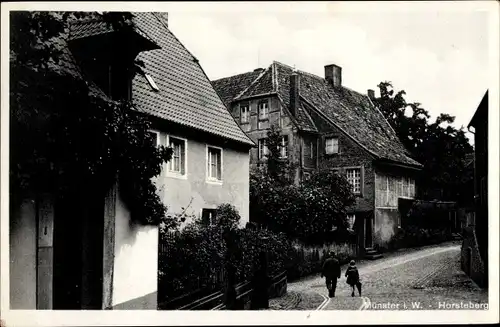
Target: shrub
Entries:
(227, 216)
(198, 256)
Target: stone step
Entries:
(373, 256)
(371, 251)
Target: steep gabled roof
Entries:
(230, 87)
(185, 94)
(350, 111)
(265, 82)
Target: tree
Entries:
(305, 211)
(440, 147)
(64, 138)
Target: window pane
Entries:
(244, 114)
(354, 178)
(332, 145)
(219, 165)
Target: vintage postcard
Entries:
(307, 160)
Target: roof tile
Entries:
(185, 94)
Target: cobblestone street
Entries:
(425, 279)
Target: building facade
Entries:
(326, 125)
(86, 252)
(475, 244)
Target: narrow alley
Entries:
(425, 279)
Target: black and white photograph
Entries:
(307, 160)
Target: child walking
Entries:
(352, 275)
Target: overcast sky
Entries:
(439, 57)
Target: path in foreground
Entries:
(427, 279)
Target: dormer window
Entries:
(107, 53)
(152, 82)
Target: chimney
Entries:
(294, 92)
(371, 94)
(333, 75)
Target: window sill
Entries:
(213, 182)
(332, 154)
(176, 175)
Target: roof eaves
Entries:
(340, 128)
(254, 96)
(250, 142)
(401, 164)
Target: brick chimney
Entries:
(333, 75)
(371, 94)
(294, 92)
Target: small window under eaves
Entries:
(151, 82)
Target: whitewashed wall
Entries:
(135, 272)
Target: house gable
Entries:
(184, 95)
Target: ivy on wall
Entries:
(65, 138)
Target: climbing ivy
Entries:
(65, 138)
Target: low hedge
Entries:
(198, 257)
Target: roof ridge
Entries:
(175, 37)
(232, 76)
(251, 84)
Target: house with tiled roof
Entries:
(111, 262)
(326, 124)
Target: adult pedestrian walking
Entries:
(331, 272)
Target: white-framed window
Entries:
(214, 164)
(244, 113)
(331, 145)
(311, 149)
(284, 146)
(263, 150)
(351, 219)
(155, 137)
(177, 164)
(263, 108)
(354, 178)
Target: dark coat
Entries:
(331, 268)
(352, 275)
